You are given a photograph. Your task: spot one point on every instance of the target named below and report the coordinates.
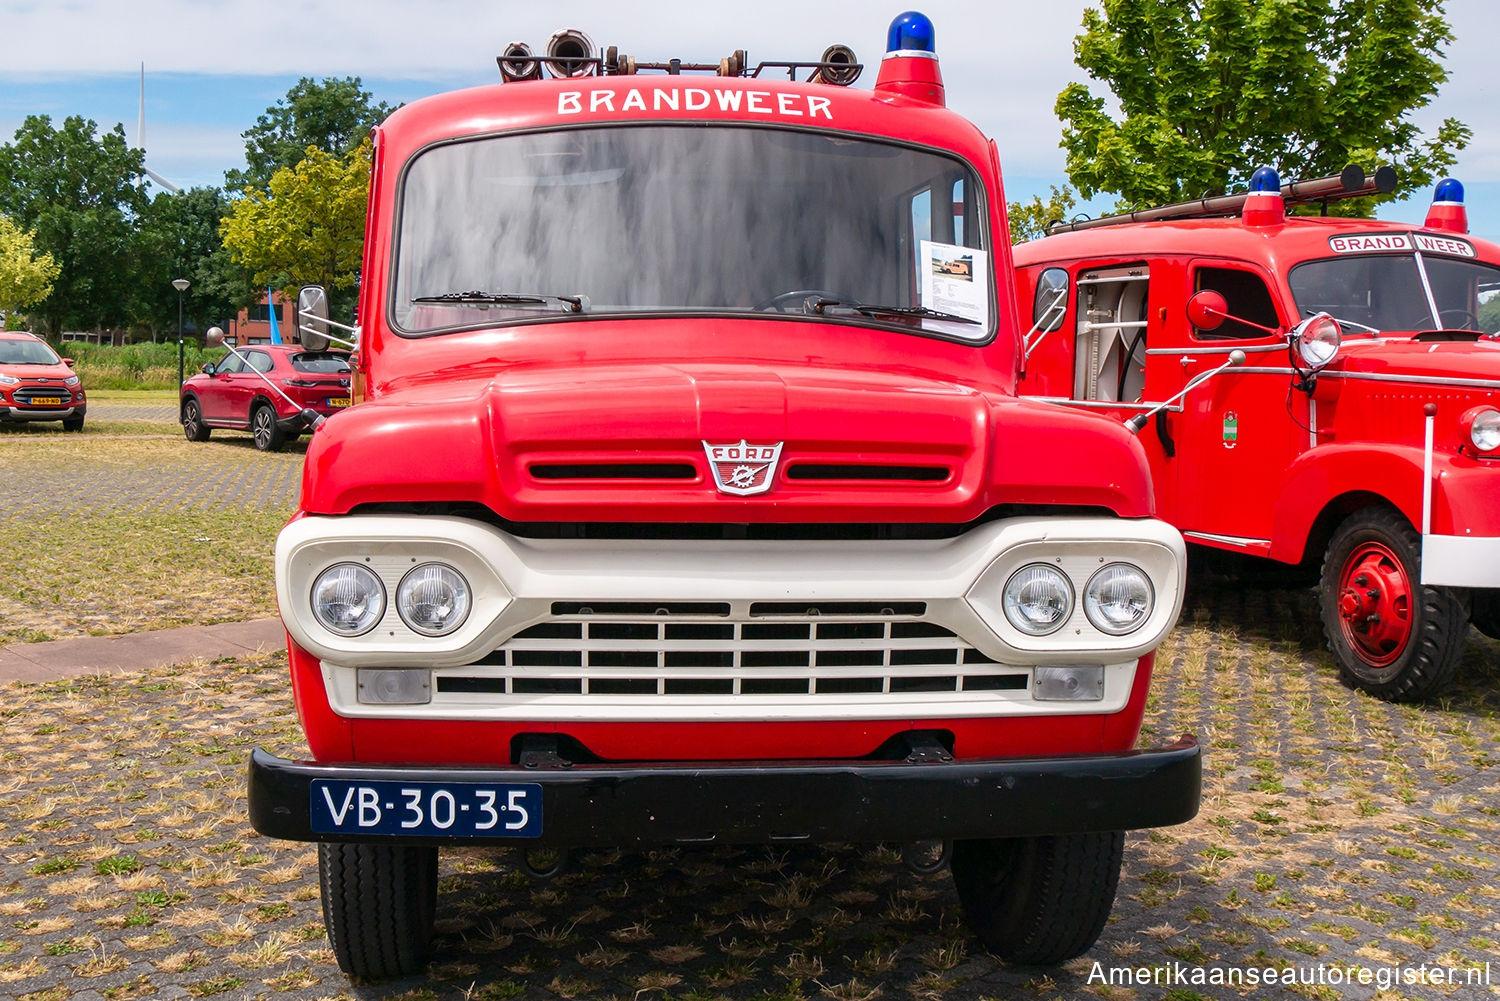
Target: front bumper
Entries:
(925, 797)
(9, 413)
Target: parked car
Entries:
(266, 390)
(37, 385)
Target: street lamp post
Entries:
(181, 285)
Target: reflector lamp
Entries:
(910, 32)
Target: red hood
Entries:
(547, 443)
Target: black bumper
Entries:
(789, 801)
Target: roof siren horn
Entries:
(840, 67)
(1263, 203)
(570, 53)
(910, 67)
(518, 64)
(1447, 213)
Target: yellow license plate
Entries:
(46, 401)
(338, 401)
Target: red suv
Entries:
(37, 385)
(265, 390)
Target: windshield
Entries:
(26, 352)
(1386, 292)
(697, 219)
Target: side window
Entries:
(260, 361)
(229, 364)
(1110, 336)
(1247, 297)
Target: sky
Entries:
(213, 66)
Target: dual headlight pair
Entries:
(432, 599)
(1038, 599)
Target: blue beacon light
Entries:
(1265, 180)
(1449, 190)
(910, 33)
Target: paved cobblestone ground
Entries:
(1338, 834)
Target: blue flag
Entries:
(271, 312)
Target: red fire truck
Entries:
(1312, 390)
(687, 499)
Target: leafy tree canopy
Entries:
(333, 115)
(179, 238)
(25, 275)
(1029, 220)
(308, 228)
(79, 194)
(1209, 90)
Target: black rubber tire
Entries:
(1484, 611)
(73, 424)
(192, 421)
(263, 427)
(378, 906)
(1438, 629)
(1038, 901)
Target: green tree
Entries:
(1209, 90)
(179, 238)
(308, 228)
(1029, 220)
(333, 115)
(79, 194)
(25, 275)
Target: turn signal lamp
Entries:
(1447, 213)
(1263, 205)
(910, 66)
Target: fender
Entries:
(1463, 497)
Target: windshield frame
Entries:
(905, 325)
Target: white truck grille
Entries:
(714, 650)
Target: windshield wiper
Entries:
(819, 304)
(577, 303)
(1344, 322)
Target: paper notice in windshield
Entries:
(956, 280)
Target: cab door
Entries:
(1237, 431)
(215, 397)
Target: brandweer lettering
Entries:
(754, 102)
(1357, 244)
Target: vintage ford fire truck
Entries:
(687, 499)
(1311, 390)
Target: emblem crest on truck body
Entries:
(743, 468)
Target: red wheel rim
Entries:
(1375, 604)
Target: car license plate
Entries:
(46, 401)
(427, 809)
(338, 401)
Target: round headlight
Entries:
(433, 599)
(1118, 599)
(348, 599)
(1037, 599)
(1484, 429)
(1318, 338)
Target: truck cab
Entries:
(686, 498)
(1320, 392)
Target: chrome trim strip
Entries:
(1232, 540)
(1412, 379)
(1102, 404)
(1253, 349)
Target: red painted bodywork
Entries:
(227, 399)
(1272, 489)
(464, 416)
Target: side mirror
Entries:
(1207, 310)
(1316, 341)
(68, 362)
(312, 317)
(208, 369)
(1050, 304)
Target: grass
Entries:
(134, 366)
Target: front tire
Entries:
(1038, 901)
(378, 905)
(268, 435)
(192, 422)
(1484, 611)
(72, 423)
(1391, 635)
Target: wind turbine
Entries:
(140, 139)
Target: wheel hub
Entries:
(1374, 604)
